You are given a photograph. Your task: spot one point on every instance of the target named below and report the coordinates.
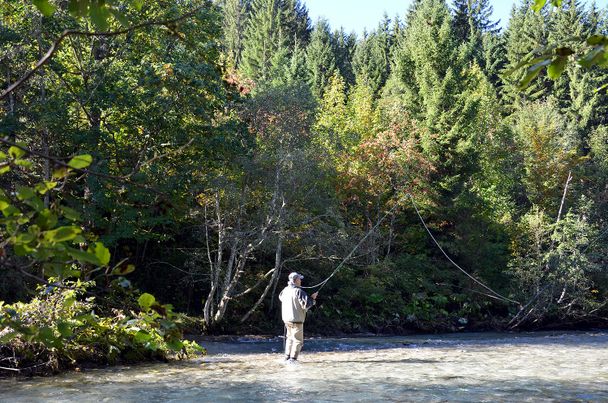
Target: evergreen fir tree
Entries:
(428, 63)
(493, 58)
(320, 58)
(472, 17)
(344, 48)
(596, 20)
(575, 89)
(288, 69)
(451, 103)
(263, 38)
(371, 60)
(473, 25)
(527, 31)
(235, 16)
(296, 22)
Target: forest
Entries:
(165, 164)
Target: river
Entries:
(518, 367)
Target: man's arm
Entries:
(305, 301)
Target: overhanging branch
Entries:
(73, 32)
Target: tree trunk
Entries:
(273, 281)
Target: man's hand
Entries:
(314, 296)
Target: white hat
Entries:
(294, 275)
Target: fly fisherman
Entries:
(294, 305)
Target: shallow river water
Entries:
(492, 367)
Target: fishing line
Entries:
(493, 294)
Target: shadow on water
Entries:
(246, 345)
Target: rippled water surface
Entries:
(464, 367)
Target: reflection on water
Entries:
(464, 367)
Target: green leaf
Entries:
(68, 302)
(10, 211)
(102, 253)
(23, 163)
(594, 40)
(593, 57)
(64, 329)
(46, 8)
(99, 15)
(3, 156)
(84, 257)
(78, 8)
(142, 336)
(375, 298)
(123, 270)
(8, 336)
(62, 234)
(46, 335)
(80, 161)
(16, 152)
(4, 169)
(145, 301)
(532, 72)
(46, 219)
(24, 238)
(538, 5)
(45, 186)
(22, 249)
(120, 17)
(36, 203)
(556, 67)
(70, 213)
(60, 173)
(175, 344)
(138, 4)
(25, 193)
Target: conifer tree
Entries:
(473, 17)
(296, 22)
(235, 16)
(596, 19)
(429, 65)
(473, 25)
(527, 31)
(297, 63)
(575, 88)
(320, 58)
(371, 60)
(493, 59)
(288, 69)
(441, 92)
(264, 37)
(344, 48)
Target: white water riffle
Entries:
(488, 367)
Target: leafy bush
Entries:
(61, 328)
(64, 325)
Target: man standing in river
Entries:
(294, 305)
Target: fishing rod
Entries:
(493, 294)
